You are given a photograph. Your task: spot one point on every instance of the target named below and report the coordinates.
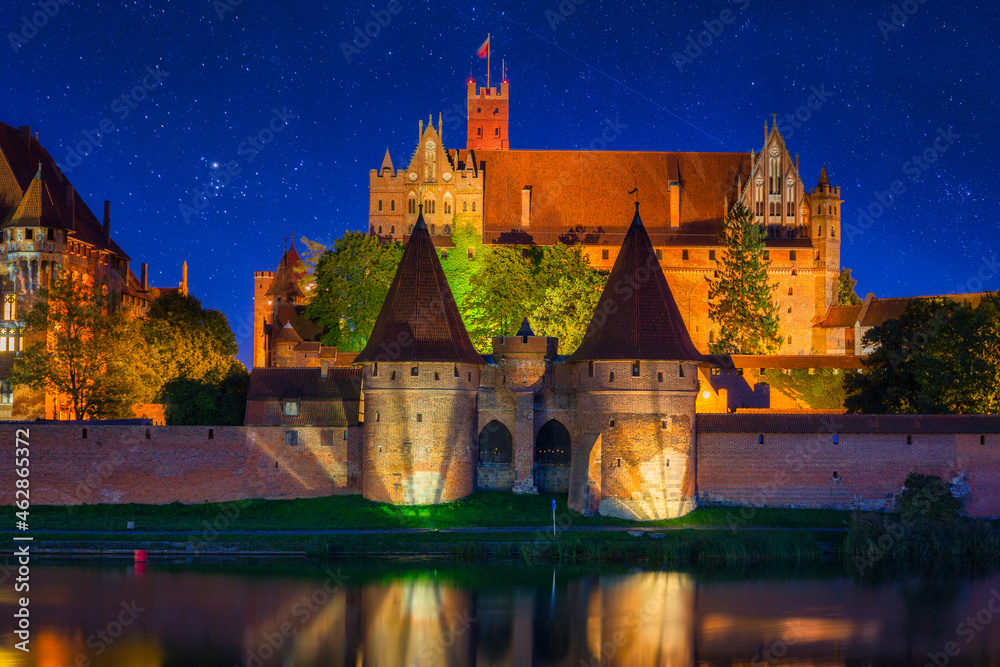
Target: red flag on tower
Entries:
(484, 50)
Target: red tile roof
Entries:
(419, 320)
(819, 424)
(840, 317)
(287, 334)
(286, 278)
(882, 310)
(331, 401)
(576, 193)
(637, 317)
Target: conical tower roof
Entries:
(637, 317)
(288, 334)
(419, 320)
(386, 162)
(37, 208)
(286, 277)
(823, 178)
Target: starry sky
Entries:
(894, 78)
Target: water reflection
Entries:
(403, 615)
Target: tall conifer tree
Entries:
(740, 299)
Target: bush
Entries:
(927, 498)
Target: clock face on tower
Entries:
(412, 176)
(446, 176)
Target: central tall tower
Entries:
(489, 114)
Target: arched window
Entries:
(447, 204)
(430, 157)
(552, 445)
(412, 204)
(473, 207)
(465, 207)
(379, 204)
(392, 205)
(447, 230)
(496, 446)
(429, 206)
(392, 230)
(479, 131)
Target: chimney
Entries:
(184, 279)
(107, 221)
(324, 368)
(71, 206)
(25, 132)
(145, 277)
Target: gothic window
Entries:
(473, 207)
(412, 205)
(433, 228)
(430, 156)
(789, 291)
(9, 307)
(392, 204)
(429, 206)
(380, 230)
(496, 132)
(447, 204)
(479, 131)
(465, 207)
(833, 232)
(774, 182)
(380, 205)
(392, 230)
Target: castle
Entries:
(531, 197)
(47, 228)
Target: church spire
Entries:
(823, 178)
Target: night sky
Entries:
(888, 91)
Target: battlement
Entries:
(263, 274)
(525, 345)
(476, 92)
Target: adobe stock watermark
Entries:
(988, 270)
(900, 14)
(223, 7)
(563, 11)
(101, 641)
(814, 102)
(47, 10)
(363, 37)
(966, 631)
(697, 44)
(224, 173)
(122, 107)
(913, 169)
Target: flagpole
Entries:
(489, 52)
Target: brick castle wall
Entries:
(118, 464)
(798, 470)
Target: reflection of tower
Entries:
(637, 373)
(421, 375)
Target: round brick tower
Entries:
(637, 375)
(420, 379)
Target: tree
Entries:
(500, 296)
(846, 293)
(194, 353)
(352, 280)
(567, 292)
(927, 498)
(740, 299)
(938, 357)
(212, 400)
(84, 349)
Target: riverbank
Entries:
(483, 509)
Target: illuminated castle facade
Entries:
(529, 197)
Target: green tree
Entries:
(84, 349)
(927, 498)
(938, 357)
(212, 400)
(846, 292)
(500, 295)
(194, 353)
(741, 301)
(567, 290)
(352, 280)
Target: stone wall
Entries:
(186, 464)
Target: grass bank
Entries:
(481, 509)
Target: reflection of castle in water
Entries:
(491, 615)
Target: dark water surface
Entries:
(391, 613)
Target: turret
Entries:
(825, 230)
(637, 374)
(489, 115)
(420, 378)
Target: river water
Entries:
(425, 613)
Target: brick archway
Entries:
(553, 444)
(496, 445)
